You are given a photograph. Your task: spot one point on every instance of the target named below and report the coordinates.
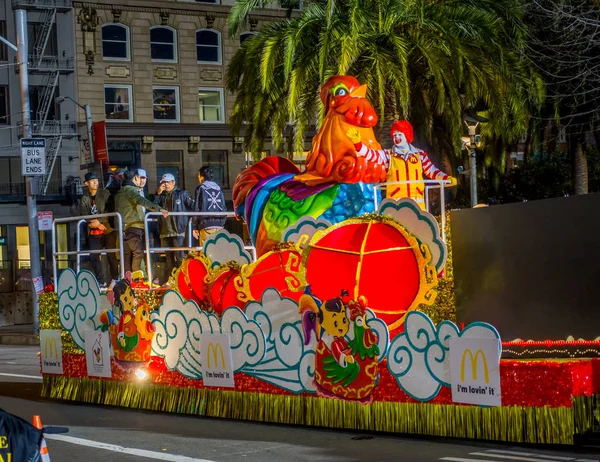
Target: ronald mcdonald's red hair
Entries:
(405, 127)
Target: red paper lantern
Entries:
(222, 288)
(376, 258)
(280, 269)
(191, 279)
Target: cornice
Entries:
(180, 8)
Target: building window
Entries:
(208, 46)
(245, 36)
(117, 103)
(165, 104)
(163, 44)
(214, 2)
(4, 117)
(218, 161)
(170, 162)
(115, 42)
(211, 104)
(3, 47)
(36, 32)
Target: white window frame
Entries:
(222, 104)
(178, 105)
(175, 58)
(219, 47)
(246, 33)
(130, 90)
(127, 42)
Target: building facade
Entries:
(51, 74)
(155, 72)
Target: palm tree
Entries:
(420, 58)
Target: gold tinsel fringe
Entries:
(512, 423)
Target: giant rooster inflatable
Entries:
(338, 182)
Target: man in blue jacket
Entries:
(172, 228)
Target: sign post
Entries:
(33, 156)
(45, 221)
(34, 243)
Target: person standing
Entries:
(172, 228)
(131, 205)
(208, 198)
(101, 235)
(143, 179)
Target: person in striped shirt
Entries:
(404, 162)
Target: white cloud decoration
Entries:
(178, 325)
(80, 303)
(420, 223)
(419, 358)
(304, 229)
(288, 363)
(222, 247)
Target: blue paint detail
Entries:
(353, 200)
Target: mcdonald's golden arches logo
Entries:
(216, 351)
(50, 348)
(474, 363)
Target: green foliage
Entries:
(421, 59)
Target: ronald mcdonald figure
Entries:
(404, 162)
(409, 163)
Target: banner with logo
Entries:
(217, 368)
(51, 351)
(475, 371)
(97, 354)
(100, 144)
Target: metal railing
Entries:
(35, 4)
(50, 128)
(429, 185)
(79, 251)
(150, 250)
(55, 188)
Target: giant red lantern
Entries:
(374, 257)
(279, 269)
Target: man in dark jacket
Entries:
(131, 205)
(208, 198)
(172, 228)
(100, 233)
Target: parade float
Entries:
(325, 328)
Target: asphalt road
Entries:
(99, 433)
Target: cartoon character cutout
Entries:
(130, 327)
(346, 369)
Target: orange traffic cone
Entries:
(44, 455)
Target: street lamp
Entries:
(88, 120)
(472, 121)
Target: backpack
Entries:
(213, 200)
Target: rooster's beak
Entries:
(360, 92)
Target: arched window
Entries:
(208, 46)
(245, 36)
(163, 44)
(115, 42)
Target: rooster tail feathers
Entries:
(250, 177)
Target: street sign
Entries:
(45, 221)
(33, 156)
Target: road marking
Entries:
(461, 459)
(524, 459)
(529, 454)
(6, 374)
(122, 450)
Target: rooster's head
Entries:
(345, 95)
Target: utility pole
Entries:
(34, 245)
(473, 166)
(90, 129)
